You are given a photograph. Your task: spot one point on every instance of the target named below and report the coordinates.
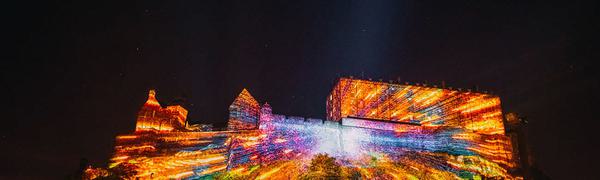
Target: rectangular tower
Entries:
(420, 105)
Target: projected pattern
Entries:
(375, 130)
(432, 107)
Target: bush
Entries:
(323, 167)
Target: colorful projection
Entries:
(427, 106)
(375, 131)
(153, 117)
(243, 112)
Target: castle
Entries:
(375, 129)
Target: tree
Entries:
(123, 171)
(323, 167)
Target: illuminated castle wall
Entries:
(379, 129)
(426, 106)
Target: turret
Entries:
(152, 102)
(243, 112)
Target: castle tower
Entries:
(243, 112)
(266, 115)
(152, 117)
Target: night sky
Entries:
(78, 72)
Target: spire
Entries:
(245, 97)
(266, 108)
(152, 99)
(245, 93)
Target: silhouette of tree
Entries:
(123, 171)
(323, 167)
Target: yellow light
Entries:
(267, 174)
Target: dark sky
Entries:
(79, 71)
